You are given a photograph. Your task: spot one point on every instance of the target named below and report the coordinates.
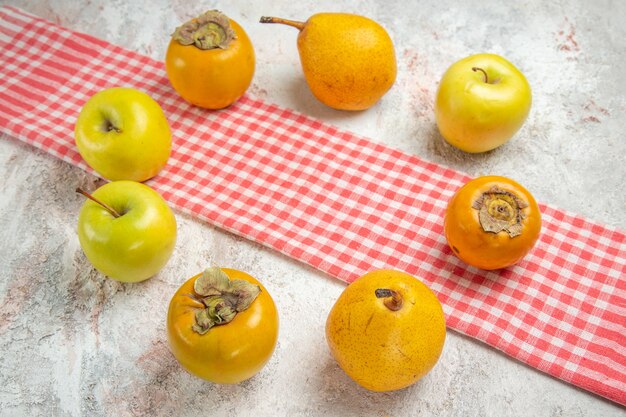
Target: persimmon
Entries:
(492, 222)
(210, 61)
(222, 325)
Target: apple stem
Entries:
(111, 127)
(393, 299)
(106, 206)
(483, 71)
(295, 24)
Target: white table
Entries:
(73, 342)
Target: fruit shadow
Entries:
(473, 164)
(303, 101)
(346, 398)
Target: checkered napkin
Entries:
(336, 201)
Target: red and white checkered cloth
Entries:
(336, 201)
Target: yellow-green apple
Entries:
(123, 134)
(127, 230)
(482, 101)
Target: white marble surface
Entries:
(74, 343)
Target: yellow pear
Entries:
(348, 60)
(386, 330)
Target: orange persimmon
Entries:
(210, 61)
(492, 222)
(222, 325)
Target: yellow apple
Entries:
(126, 230)
(482, 101)
(123, 134)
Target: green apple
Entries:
(482, 101)
(123, 134)
(126, 230)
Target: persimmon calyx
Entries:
(500, 210)
(210, 30)
(222, 298)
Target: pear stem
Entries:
(393, 299)
(295, 24)
(106, 206)
(483, 71)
